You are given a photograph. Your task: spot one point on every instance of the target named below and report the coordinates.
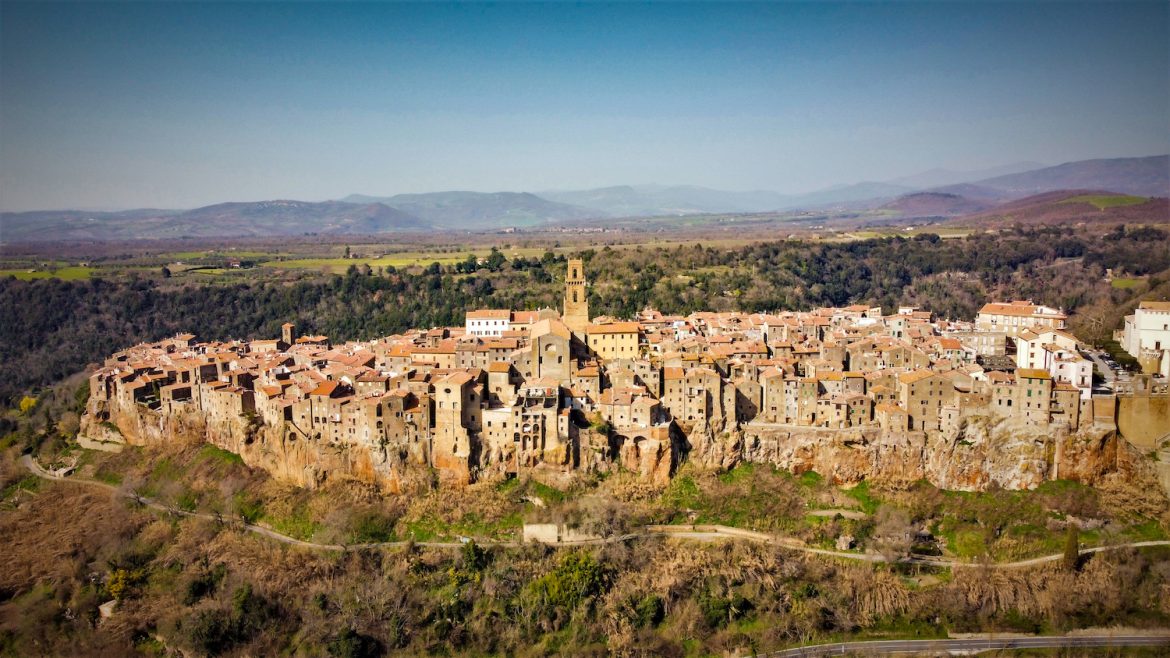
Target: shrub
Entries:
(371, 527)
(351, 644)
(203, 584)
(474, 557)
(250, 611)
(719, 610)
(650, 611)
(210, 631)
(577, 577)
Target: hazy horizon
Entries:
(114, 106)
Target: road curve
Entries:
(690, 533)
(975, 645)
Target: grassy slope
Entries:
(1103, 201)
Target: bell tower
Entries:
(576, 315)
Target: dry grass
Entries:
(55, 535)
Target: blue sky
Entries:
(179, 105)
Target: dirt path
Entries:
(706, 533)
(856, 515)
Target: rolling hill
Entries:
(934, 204)
(236, 219)
(1071, 207)
(1148, 176)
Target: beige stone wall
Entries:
(1143, 419)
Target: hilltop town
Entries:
(852, 393)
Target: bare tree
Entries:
(893, 534)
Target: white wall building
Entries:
(488, 322)
(1146, 336)
(1035, 347)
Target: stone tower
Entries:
(576, 315)
(288, 333)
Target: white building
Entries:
(1146, 336)
(488, 322)
(1069, 367)
(1013, 317)
(1057, 352)
(1035, 347)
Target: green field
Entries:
(1103, 201)
(1125, 284)
(404, 259)
(64, 273)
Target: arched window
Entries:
(574, 296)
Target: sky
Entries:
(171, 105)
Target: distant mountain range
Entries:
(259, 218)
(941, 177)
(1145, 176)
(644, 200)
(936, 193)
(481, 210)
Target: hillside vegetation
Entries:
(204, 587)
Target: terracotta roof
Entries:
(1032, 373)
(915, 376)
(555, 327)
(489, 314)
(612, 328)
(325, 389)
(457, 378)
(1018, 309)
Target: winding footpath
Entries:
(686, 532)
(966, 646)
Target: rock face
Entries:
(979, 453)
(982, 452)
(304, 462)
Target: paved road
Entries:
(689, 533)
(1106, 371)
(969, 646)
